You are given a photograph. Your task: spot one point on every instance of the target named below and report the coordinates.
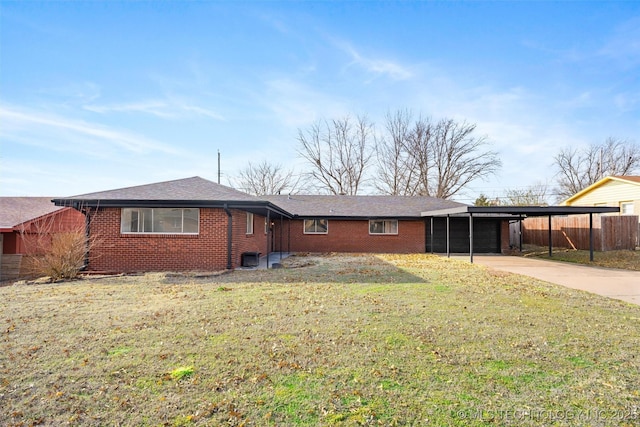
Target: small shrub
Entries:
(56, 253)
(63, 259)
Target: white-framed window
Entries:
(626, 208)
(249, 223)
(316, 226)
(160, 220)
(383, 226)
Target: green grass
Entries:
(182, 372)
(626, 260)
(339, 341)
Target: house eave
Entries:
(521, 211)
(595, 185)
(358, 217)
(251, 206)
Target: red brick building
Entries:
(378, 224)
(29, 221)
(196, 224)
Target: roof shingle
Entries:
(359, 206)
(195, 188)
(17, 210)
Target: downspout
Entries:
(87, 233)
(289, 235)
(229, 236)
(268, 235)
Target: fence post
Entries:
(591, 236)
(550, 239)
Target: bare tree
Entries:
(534, 195)
(420, 148)
(338, 152)
(396, 173)
(458, 158)
(578, 169)
(431, 159)
(266, 178)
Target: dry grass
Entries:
(626, 260)
(339, 340)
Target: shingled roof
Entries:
(326, 206)
(187, 192)
(18, 210)
(194, 188)
(200, 192)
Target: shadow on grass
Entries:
(322, 268)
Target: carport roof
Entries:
(521, 211)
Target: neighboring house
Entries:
(22, 221)
(617, 191)
(196, 224)
(612, 231)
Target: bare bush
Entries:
(55, 251)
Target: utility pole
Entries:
(218, 166)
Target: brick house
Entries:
(187, 224)
(377, 224)
(196, 224)
(23, 223)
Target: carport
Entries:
(475, 213)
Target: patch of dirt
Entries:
(298, 262)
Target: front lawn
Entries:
(331, 340)
(625, 259)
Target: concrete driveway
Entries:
(620, 284)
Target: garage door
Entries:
(486, 235)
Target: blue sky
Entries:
(102, 95)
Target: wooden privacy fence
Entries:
(610, 232)
(10, 266)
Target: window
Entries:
(316, 226)
(160, 220)
(249, 223)
(626, 208)
(386, 226)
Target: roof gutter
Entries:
(229, 235)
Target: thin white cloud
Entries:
(75, 92)
(624, 44)
(38, 128)
(154, 108)
(296, 105)
(627, 102)
(375, 66)
(202, 111)
(165, 109)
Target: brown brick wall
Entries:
(352, 236)
(116, 252)
(243, 242)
